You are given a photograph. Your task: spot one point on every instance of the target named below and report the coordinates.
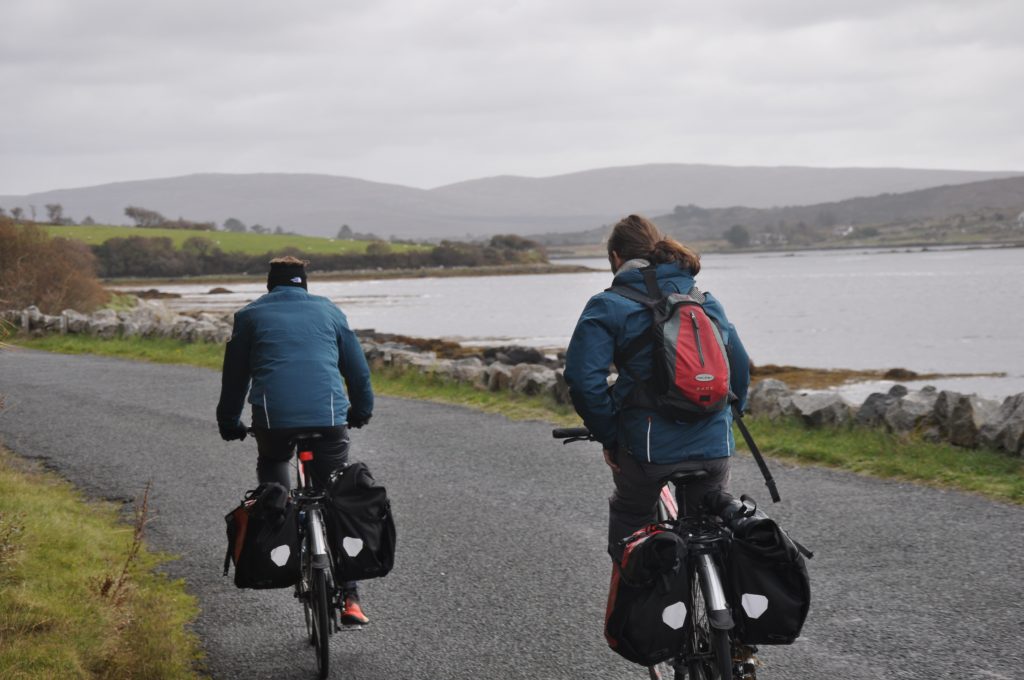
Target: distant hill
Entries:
(998, 197)
(973, 209)
(319, 204)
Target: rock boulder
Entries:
(1005, 429)
(771, 398)
(821, 409)
(960, 417)
(911, 412)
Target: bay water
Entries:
(945, 311)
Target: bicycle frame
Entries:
(316, 589)
(702, 539)
(311, 498)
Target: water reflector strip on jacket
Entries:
(649, 439)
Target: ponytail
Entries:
(637, 237)
(670, 250)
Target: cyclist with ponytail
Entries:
(644, 446)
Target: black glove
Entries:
(358, 421)
(230, 431)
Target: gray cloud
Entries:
(426, 93)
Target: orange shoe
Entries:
(351, 613)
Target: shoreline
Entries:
(363, 274)
(880, 248)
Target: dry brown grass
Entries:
(798, 378)
(52, 273)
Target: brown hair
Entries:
(637, 237)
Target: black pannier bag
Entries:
(767, 582)
(360, 527)
(646, 620)
(263, 539)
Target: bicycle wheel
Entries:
(303, 587)
(318, 604)
(307, 614)
(710, 652)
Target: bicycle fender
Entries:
(721, 619)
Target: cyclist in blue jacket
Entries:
(641, 446)
(289, 351)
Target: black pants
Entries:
(638, 485)
(330, 453)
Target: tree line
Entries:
(143, 256)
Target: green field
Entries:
(229, 242)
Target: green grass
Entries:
(877, 453)
(157, 350)
(57, 551)
(229, 242)
(870, 452)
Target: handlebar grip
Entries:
(568, 432)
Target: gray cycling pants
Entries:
(638, 484)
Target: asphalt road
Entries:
(501, 570)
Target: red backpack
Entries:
(690, 372)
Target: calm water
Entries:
(951, 311)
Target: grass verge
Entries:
(79, 596)
(870, 452)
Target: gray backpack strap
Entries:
(634, 295)
(697, 295)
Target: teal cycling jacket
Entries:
(607, 325)
(290, 351)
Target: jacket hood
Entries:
(669, 271)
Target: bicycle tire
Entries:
(321, 620)
(307, 615)
(710, 649)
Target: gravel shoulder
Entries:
(501, 570)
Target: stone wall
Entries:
(518, 369)
(964, 420)
(149, 319)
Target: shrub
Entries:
(52, 273)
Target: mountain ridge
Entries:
(318, 204)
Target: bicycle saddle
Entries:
(682, 478)
(305, 437)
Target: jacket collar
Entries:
(289, 292)
(635, 278)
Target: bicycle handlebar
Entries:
(572, 434)
(568, 432)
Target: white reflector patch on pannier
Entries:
(352, 546)
(754, 605)
(280, 555)
(674, 615)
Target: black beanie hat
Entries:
(286, 274)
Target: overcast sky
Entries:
(428, 92)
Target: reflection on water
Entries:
(952, 311)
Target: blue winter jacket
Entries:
(289, 350)
(608, 323)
